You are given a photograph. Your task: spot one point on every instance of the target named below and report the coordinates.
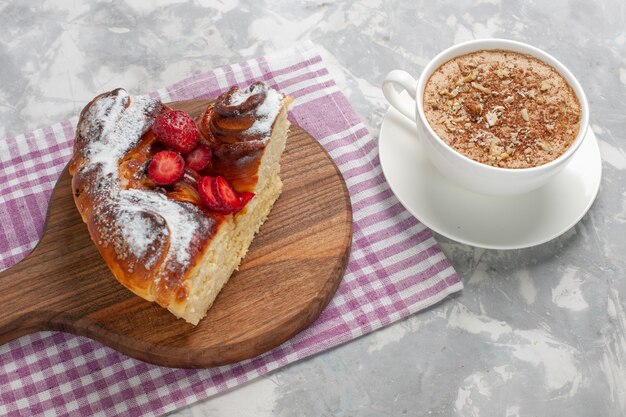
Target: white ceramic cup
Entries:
(470, 174)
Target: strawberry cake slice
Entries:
(173, 203)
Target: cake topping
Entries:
(176, 130)
(245, 114)
(238, 101)
(218, 195)
(199, 158)
(245, 197)
(139, 233)
(166, 167)
(237, 127)
(184, 223)
(118, 122)
(208, 194)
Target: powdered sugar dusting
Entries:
(239, 96)
(138, 232)
(266, 113)
(122, 120)
(182, 220)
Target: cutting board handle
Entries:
(28, 290)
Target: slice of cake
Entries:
(173, 203)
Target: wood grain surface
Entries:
(290, 273)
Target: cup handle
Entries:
(408, 83)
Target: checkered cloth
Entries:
(395, 268)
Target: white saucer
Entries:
(480, 220)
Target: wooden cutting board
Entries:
(289, 275)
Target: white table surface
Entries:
(535, 332)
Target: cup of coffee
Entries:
(495, 116)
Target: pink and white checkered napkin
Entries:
(395, 269)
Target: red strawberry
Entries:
(218, 195)
(166, 167)
(245, 197)
(199, 158)
(177, 130)
(208, 195)
(229, 197)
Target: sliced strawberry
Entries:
(245, 197)
(199, 158)
(176, 130)
(229, 198)
(166, 167)
(218, 195)
(208, 195)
